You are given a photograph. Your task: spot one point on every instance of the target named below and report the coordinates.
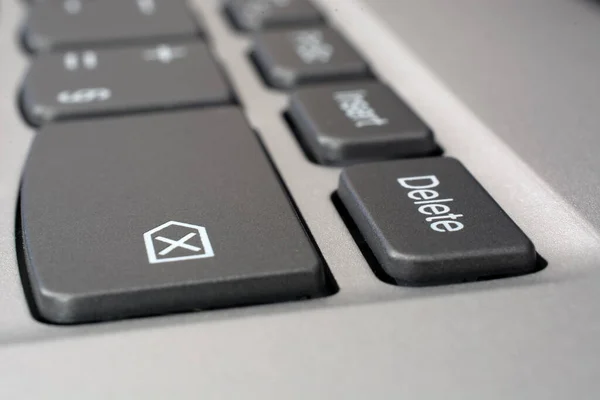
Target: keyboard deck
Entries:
(359, 284)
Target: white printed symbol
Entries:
(147, 7)
(177, 241)
(357, 108)
(86, 95)
(89, 60)
(165, 54)
(72, 6)
(311, 47)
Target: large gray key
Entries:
(100, 82)
(56, 24)
(159, 213)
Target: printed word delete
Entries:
(428, 202)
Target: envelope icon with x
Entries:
(177, 241)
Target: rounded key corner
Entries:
(409, 276)
(255, 57)
(46, 305)
(22, 39)
(323, 281)
(33, 116)
(234, 20)
(56, 308)
(31, 44)
(306, 148)
(280, 77)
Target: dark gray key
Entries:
(291, 58)
(100, 82)
(255, 15)
(356, 121)
(57, 24)
(429, 221)
(159, 213)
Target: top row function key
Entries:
(256, 15)
(77, 84)
(64, 24)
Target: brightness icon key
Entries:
(123, 80)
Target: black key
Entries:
(429, 221)
(291, 58)
(356, 121)
(83, 23)
(160, 213)
(100, 82)
(255, 15)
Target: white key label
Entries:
(356, 107)
(165, 54)
(88, 59)
(72, 7)
(312, 48)
(147, 7)
(427, 200)
(190, 243)
(84, 96)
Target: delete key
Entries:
(428, 221)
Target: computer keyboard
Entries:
(146, 191)
(299, 199)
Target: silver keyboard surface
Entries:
(533, 336)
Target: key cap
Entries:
(63, 24)
(429, 221)
(160, 213)
(291, 58)
(355, 121)
(255, 15)
(100, 82)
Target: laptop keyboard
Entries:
(142, 148)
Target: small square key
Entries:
(70, 24)
(255, 15)
(291, 58)
(364, 120)
(428, 221)
(87, 83)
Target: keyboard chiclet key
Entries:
(151, 214)
(429, 221)
(64, 24)
(116, 81)
(355, 121)
(288, 59)
(255, 15)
